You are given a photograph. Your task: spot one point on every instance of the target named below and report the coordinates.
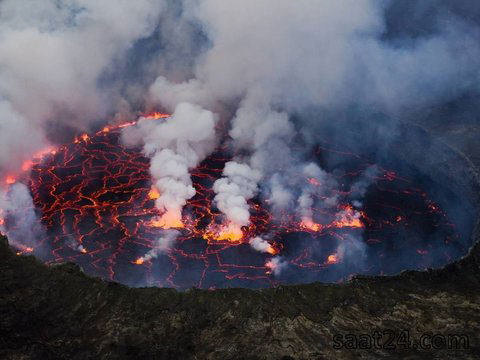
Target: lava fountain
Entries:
(96, 202)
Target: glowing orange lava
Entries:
(96, 193)
(27, 165)
(157, 115)
(348, 218)
(272, 251)
(231, 233)
(332, 259)
(10, 180)
(24, 250)
(153, 193)
(310, 225)
(169, 220)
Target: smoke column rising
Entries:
(175, 146)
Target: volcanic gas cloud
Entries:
(233, 183)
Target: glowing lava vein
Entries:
(96, 201)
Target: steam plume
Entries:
(175, 146)
(238, 185)
(160, 246)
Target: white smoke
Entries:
(352, 252)
(327, 54)
(280, 197)
(13, 129)
(321, 187)
(54, 56)
(234, 189)
(260, 245)
(16, 207)
(61, 50)
(275, 74)
(276, 265)
(161, 245)
(175, 145)
(265, 135)
(360, 187)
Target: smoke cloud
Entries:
(292, 57)
(238, 185)
(175, 146)
(54, 61)
(276, 265)
(17, 207)
(161, 246)
(260, 245)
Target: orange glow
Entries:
(332, 259)
(271, 266)
(169, 220)
(25, 250)
(157, 115)
(272, 251)
(10, 180)
(125, 125)
(119, 214)
(154, 193)
(348, 218)
(49, 150)
(27, 165)
(314, 181)
(83, 137)
(308, 224)
(230, 233)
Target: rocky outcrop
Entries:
(59, 312)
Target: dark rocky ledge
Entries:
(58, 312)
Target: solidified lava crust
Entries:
(96, 202)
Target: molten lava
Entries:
(229, 232)
(332, 259)
(153, 193)
(309, 225)
(348, 218)
(167, 221)
(10, 180)
(97, 204)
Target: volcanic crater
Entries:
(96, 206)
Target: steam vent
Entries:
(239, 180)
